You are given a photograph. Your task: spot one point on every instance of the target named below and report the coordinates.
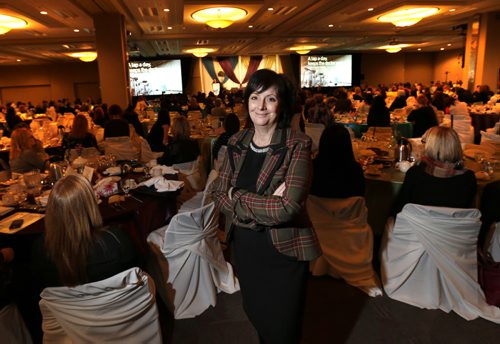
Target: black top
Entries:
(423, 119)
(180, 151)
(116, 128)
(250, 170)
(111, 253)
(221, 141)
(70, 141)
(398, 103)
(337, 180)
(155, 136)
(132, 118)
(379, 118)
(419, 187)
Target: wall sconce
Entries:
(8, 23)
(219, 17)
(200, 52)
(409, 16)
(303, 49)
(85, 56)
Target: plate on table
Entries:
(151, 191)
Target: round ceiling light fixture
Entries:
(85, 56)
(303, 49)
(8, 23)
(409, 16)
(200, 52)
(219, 17)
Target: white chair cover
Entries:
(462, 125)
(191, 173)
(121, 147)
(346, 240)
(494, 244)
(189, 266)
(12, 327)
(201, 198)
(314, 131)
(119, 309)
(429, 260)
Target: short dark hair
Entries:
(263, 79)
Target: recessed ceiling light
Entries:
(330, 25)
(419, 49)
(44, 12)
(76, 30)
(452, 9)
(166, 10)
(18, 60)
(270, 9)
(441, 49)
(65, 46)
(370, 9)
(250, 26)
(169, 27)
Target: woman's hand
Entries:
(280, 190)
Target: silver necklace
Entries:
(257, 149)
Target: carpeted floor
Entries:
(336, 313)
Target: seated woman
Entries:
(231, 127)
(26, 152)
(181, 147)
(116, 126)
(379, 115)
(77, 248)
(158, 135)
(439, 178)
(336, 174)
(423, 117)
(79, 137)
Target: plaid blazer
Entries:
(288, 160)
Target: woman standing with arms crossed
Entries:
(262, 188)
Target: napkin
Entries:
(113, 171)
(162, 169)
(106, 187)
(161, 184)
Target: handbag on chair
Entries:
(489, 277)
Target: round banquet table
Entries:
(404, 129)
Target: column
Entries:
(482, 56)
(111, 44)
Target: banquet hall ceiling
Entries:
(333, 25)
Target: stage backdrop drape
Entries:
(253, 65)
(208, 63)
(228, 64)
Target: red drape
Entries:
(227, 66)
(253, 65)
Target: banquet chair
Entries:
(201, 198)
(462, 125)
(12, 326)
(192, 173)
(187, 263)
(121, 147)
(346, 240)
(314, 131)
(429, 260)
(119, 309)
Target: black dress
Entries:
(273, 286)
(342, 180)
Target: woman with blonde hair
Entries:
(26, 152)
(80, 135)
(439, 178)
(181, 148)
(77, 248)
